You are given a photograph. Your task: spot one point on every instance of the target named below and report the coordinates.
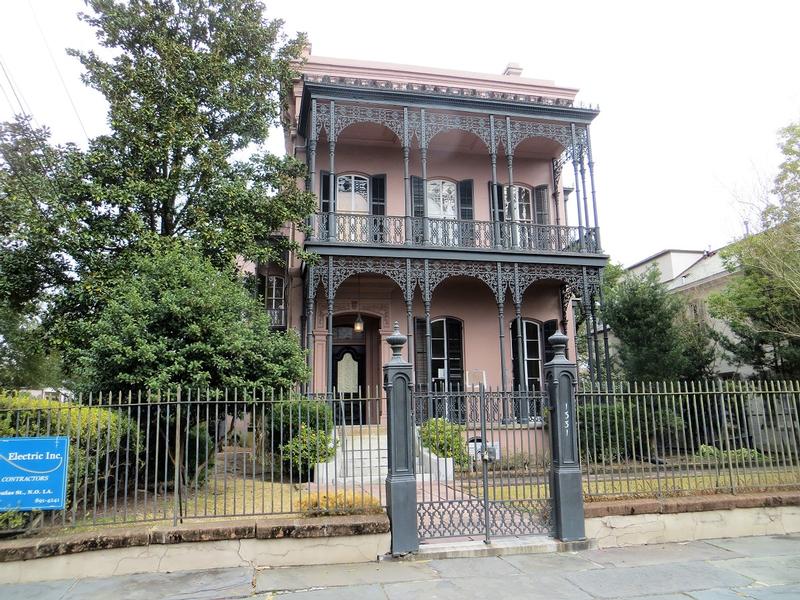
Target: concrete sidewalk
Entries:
(759, 568)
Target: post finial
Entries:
(397, 340)
(559, 343)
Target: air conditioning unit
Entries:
(475, 449)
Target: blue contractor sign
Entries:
(33, 473)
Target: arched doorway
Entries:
(355, 357)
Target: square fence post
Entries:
(561, 375)
(401, 481)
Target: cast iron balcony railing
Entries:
(452, 233)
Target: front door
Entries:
(349, 380)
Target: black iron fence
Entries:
(188, 454)
(668, 439)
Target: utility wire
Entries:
(58, 71)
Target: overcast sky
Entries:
(691, 93)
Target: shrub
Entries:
(290, 414)
(308, 447)
(341, 503)
(619, 430)
(103, 435)
(739, 456)
(445, 440)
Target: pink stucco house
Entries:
(442, 206)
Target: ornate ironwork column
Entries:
(312, 165)
(498, 242)
(426, 300)
(607, 359)
(310, 295)
(522, 382)
(587, 319)
(561, 377)
(406, 183)
(581, 151)
(511, 198)
(401, 481)
(501, 322)
(423, 151)
(331, 296)
(332, 176)
(408, 294)
(594, 195)
(577, 185)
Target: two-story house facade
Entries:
(442, 206)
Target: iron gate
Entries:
(482, 463)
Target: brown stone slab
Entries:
(322, 527)
(690, 504)
(203, 532)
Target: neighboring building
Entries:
(696, 274)
(441, 207)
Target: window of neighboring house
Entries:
(272, 290)
(352, 194)
(531, 355)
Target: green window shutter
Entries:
(417, 197)
(540, 205)
(325, 191)
(377, 201)
(465, 200)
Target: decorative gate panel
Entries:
(483, 464)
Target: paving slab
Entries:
(48, 590)
(473, 567)
(533, 564)
(350, 592)
(304, 578)
(665, 579)
(777, 592)
(767, 545)
(185, 585)
(658, 554)
(544, 587)
(768, 570)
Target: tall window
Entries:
(442, 199)
(447, 353)
(352, 194)
(531, 355)
(272, 289)
(531, 204)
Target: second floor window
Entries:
(352, 194)
(442, 199)
(524, 205)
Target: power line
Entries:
(58, 71)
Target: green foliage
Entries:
(445, 440)
(656, 341)
(740, 456)
(95, 434)
(192, 86)
(173, 319)
(761, 304)
(307, 447)
(619, 430)
(289, 414)
(24, 359)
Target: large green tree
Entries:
(193, 87)
(762, 302)
(174, 318)
(655, 339)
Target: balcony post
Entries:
(594, 195)
(577, 185)
(310, 295)
(557, 165)
(590, 332)
(409, 298)
(406, 183)
(423, 150)
(501, 322)
(522, 383)
(582, 150)
(312, 165)
(332, 182)
(511, 198)
(498, 242)
(331, 298)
